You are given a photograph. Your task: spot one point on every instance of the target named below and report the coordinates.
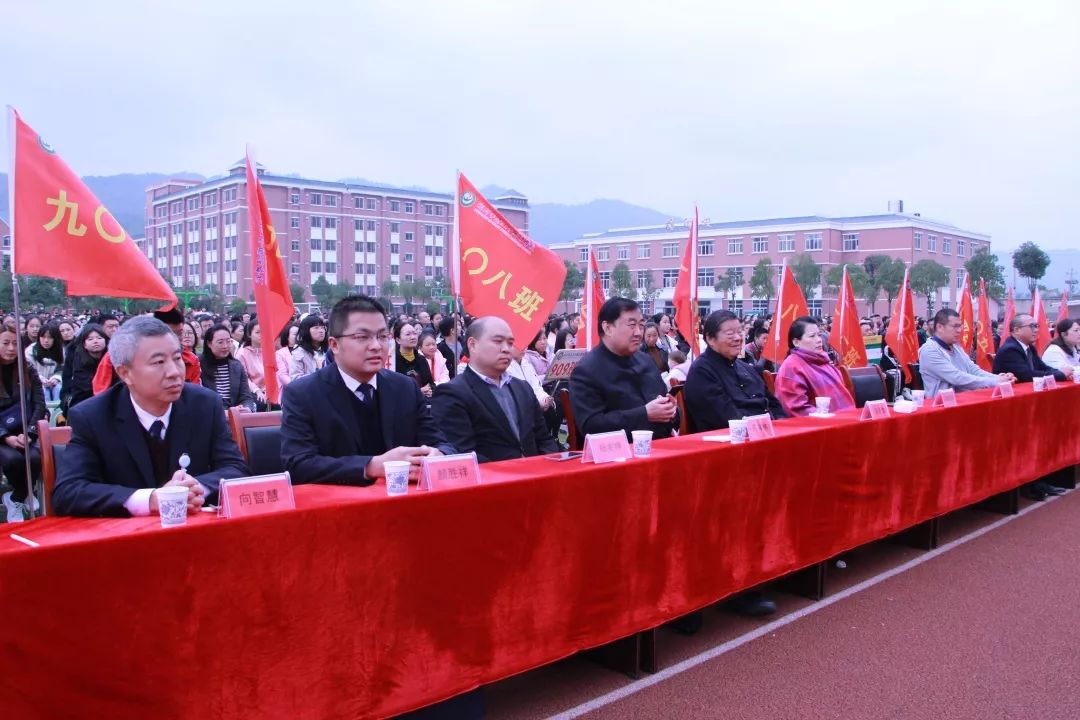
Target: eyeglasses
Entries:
(364, 338)
(1034, 326)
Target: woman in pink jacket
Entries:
(807, 374)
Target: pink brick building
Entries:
(363, 235)
(5, 236)
(654, 253)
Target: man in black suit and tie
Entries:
(1017, 353)
(486, 409)
(341, 424)
(127, 441)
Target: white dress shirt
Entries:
(138, 503)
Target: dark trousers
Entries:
(13, 464)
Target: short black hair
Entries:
(172, 316)
(758, 331)
(941, 317)
(446, 326)
(715, 321)
(798, 329)
(612, 310)
(1016, 323)
(343, 308)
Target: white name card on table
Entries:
(443, 471)
(1003, 390)
(760, 427)
(1051, 382)
(945, 398)
(258, 495)
(606, 447)
(875, 410)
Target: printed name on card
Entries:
(258, 495)
(875, 410)
(444, 471)
(945, 398)
(606, 447)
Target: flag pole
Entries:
(775, 327)
(455, 250)
(20, 358)
(693, 340)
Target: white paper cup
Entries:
(739, 433)
(1039, 383)
(397, 477)
(642, 442)
(918, 397)
(172, 505)
(823, 405)
(1076, 375)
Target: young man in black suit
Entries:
(127, 441)
(486, 409)
(341, 424)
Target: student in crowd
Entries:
(67, 332)
(680, 366)
(309, 354)
(450, 344)
(127, 441)
(807, 374)
(615, 386)
(408, 361)
(16, 441)
(33, 330)
(429, 349)
(341, 424)
(283, 354)
(189, 337)
(565, 339)
(752, 351)
(46, 358)
(651, 347)
(223, 373)
(250, 356)
(106, 375)
(1017, 353)
(945, 365)
(81, 364)
(487, 410)
(537, 356)
(1064, 350)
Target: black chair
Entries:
(258, 436)
(866, 384)
(916, 377)
(573, 439)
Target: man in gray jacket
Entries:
(944, 364)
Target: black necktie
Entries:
(366, 392)
(157, 430)
(1031, 359)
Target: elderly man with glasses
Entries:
(1017, 354)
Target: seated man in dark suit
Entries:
(1017, 353)
(615, 387)
(127, 441)
(341, 423)
(486, 409)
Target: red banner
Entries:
(588, 334)
(1010, 312)
(901, 337)
(984, 340)
(685, 297)
(499, 271)
(849, 341)
(790, 306)
(60, 230)
(967, 316)
(1063, 309)
(1038, 311)
(273, 298)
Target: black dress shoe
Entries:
(751, 604)
(1033, 493)
(1049, 489)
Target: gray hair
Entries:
(125, 341)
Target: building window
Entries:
(395, 206)
(705, 248)
(931, 243)
(918, 241)
(315, 199)
(812, 241)
(358, 225)
(371, 225)
(316, 243)
(439, 210)
(296, 246)
(372, 204)
(759, 306)
(706, 277)
(603, 253)
(438, 232)
(410, 207)
(759, 244)
(177, 208)
(294, 268)
(670, 277)
(161, 210)
(316, 267)
(961, 248)
(644, 251)
(644, 277)
(395, 248)
(358, 202)
(669, 250)
(583, 254)
(294, 198)
(331, 267)
(316, 221)
(330, 223)
(946, 246)
(622, 252)
(395, 227)
(331, 200)
(331, 245)
(429, 209)
(193, 203)
(228, 195)
(851, 242)
(605, 280)
(786, 243)
(814, 308)
(429, 230)
(734, 246)
(408, 236)
(370, 269)
(960, 275)
(294, 222)
(371, 247)
(395, 269)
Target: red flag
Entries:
(1063, 309)
(60, 230)
(901, 336)
(849, 341)
(984, 341)
(498, 271)
(790, 305)
(967, 316)
(1010, 312)
(273, 297)
(685, 297)
(588, 334)
(1038, 311)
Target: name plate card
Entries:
(945, 398)
(875, 410)
(1003, 390)
(606, 447)
(563, 364)
(760, 427)
(258, 495)
(1051, 382)
(445, 471)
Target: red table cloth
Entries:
(363, 605)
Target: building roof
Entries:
(511, 194)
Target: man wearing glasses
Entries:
(340, 424)
(1017, 353)
(943, 364)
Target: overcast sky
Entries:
(969, 111)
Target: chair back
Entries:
(770, 381)
(573, 439)
(866, 384)
(916, 377)
(258, 436)
(52, 443)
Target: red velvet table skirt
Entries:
(360, 605)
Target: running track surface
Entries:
(985, 630)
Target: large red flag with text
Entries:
(901, 337)
(273, 297)
(1010, 312)
(967, 316)
(685, 297)
(984, 340)
(1063, 309)
(588, 334)
(60, 230)
(1038, 311)
(499, 271)
(848, 340)
(790, 305)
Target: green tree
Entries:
(622, 285)
(322, 290)
(649, 292)
(856, 274)
(237, 307)
(807, 273)
(983, 265)
(872, 264)
(891, 277)
(573, 283)
(209, 297)
(730, 283)
(299, 292)
(926, 277)
(1030, 262)
(762, 282)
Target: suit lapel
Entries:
(386, 410)
(483, 394)
(338, 393)
(134, 437)
(179, 433)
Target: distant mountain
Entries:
(554, 223)
(124, 195)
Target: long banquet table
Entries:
(360, 605)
